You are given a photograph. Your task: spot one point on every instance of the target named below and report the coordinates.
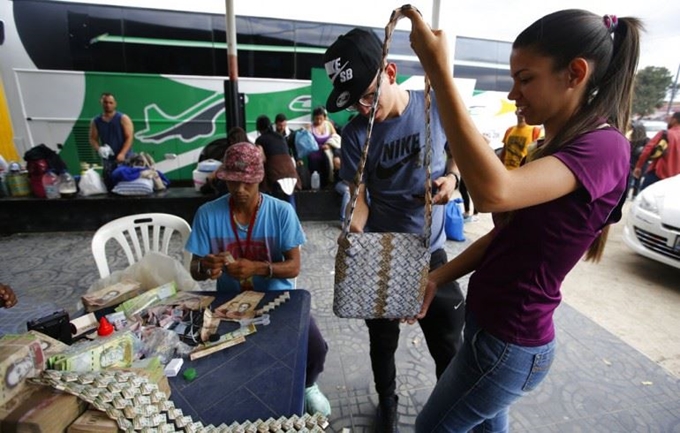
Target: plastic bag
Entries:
(163, 343)
(453, 225)
(153, 270)
(91, 183)
(305, 143)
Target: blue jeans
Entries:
(342, 188)
(649, 179)
(483, 380)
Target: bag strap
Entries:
(358, 177)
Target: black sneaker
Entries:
(387, 418)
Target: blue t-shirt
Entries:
(394, 173)
(111, 132)
(516, 287)
(277, 230)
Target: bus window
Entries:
(43, 34)
(167, 42)
(270, 51)
(93, 54)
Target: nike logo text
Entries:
(403, 150)
(335, 70)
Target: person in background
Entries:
(281, 125)
(236, 135)
(465, 195)
(638, 139)
(262, 236)
(7, 297)
(342, 188)
(668, 164)
(111, 135)
(391, 200)
(516, 141)
(322, 129)
(216, 150)
(573, 72)
(279, 167)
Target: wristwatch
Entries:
(201, 271)
(455, 176)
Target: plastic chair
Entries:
(137, 235)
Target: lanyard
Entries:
(250, 227)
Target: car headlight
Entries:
(651, 202)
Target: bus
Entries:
(167, 69)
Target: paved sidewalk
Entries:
(599, 382)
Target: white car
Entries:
(652, 127)
(653, 225)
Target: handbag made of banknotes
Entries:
(384, 275)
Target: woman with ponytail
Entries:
(573, 73)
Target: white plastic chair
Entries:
(139, 234)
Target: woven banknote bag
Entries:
(384, 275)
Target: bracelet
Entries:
(271, 270)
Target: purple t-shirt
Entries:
(516, 287)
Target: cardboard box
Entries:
(21, 357)
(44, 410)
(93, 421)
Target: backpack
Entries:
(53, 159)
(39, 160)
(660, 147)
(305, 143)
(36, 169)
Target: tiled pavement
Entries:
(597, 383)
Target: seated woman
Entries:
(322, 130)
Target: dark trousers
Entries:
(109, 165)
(650, 178)
(278, 193)
(466, 197)
(442, 328)
(316, 353)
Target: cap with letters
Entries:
(352, 63)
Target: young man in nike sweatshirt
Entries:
(394, 179)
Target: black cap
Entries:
(351, 63)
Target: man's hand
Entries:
(120, 157)
(7, 297)
(637, 173)
(446, 186)
(212, 265)
(242, 269)
(105, 151)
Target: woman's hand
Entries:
(429, 45)
(430, 291)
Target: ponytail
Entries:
(612, 47)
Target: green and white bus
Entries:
(167, 68)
